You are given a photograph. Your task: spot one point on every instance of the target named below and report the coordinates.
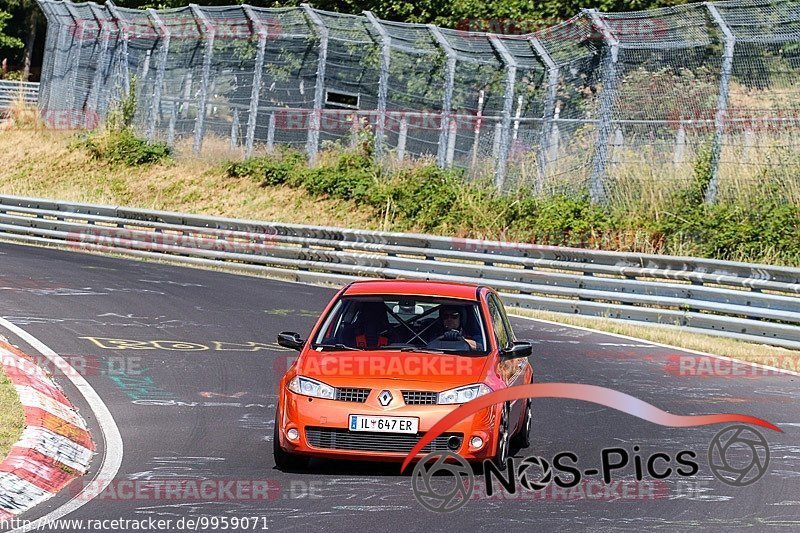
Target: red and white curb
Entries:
(55, 446)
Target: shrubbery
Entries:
(117, 143)
(426, 198)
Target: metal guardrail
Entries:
(756, 303)
(14, 91)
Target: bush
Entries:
(124, 147)
(118, 144)
(426, 198)
(268, 171)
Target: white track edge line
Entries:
(112, 448)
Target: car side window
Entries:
(511, 337)
(498, 323)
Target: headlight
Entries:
(463, 394)
(311, 387)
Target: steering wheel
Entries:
(451, 339)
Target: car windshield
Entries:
(413, 323)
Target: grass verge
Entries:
(347, 188)
(12, 418)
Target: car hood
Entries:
(343, 368)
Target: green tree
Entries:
(7, 41)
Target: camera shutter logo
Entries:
(738, 456)
(543, 481)
(456, 488)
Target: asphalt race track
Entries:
(186, 362)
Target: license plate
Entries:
(384, 424)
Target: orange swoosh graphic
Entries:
(587, 393)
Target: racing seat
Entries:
(371, 329)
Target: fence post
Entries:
(255, 94)
(52, 39)
(76, 65)
(383, 82)
(447, 101)
(173, 118)
(549, 112)
(165, 35)
(208, 32)
(510, 64)
(609, 77)
(93, 100)
(401, 138)
(680, 144)
(722, 101)
(312, 145)
(124, 29)
(235, 130)
(477, 131)
(271, 132)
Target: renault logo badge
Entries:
(385, 398)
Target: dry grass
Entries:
(12, 419)
(41, 163)
(675, 336)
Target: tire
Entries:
(283, 459)
(503, 441)
(522, 439)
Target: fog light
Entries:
(476, 442)
(293, 434)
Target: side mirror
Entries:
(290, 339)
(519, 350)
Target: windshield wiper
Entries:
(424, 350)
(335, 347)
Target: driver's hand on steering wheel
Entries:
(455, 335)
(452, 335)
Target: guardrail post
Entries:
(549, 112)
(125, 30)
(447, 100)
(255, 94)
(208, 32)
(383, 82)
(508, 103)
(609, 78)
(165, 35)
(722, 101)
(76, 65)
(312, 145)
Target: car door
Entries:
(513, 372)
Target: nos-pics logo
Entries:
(443, 481)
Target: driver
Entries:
(453, 322)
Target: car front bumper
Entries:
(323, 429)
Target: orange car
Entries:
(387, 360)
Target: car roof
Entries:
(446, 289)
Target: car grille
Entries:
(416, 397)
(352, 395)
(342, 439)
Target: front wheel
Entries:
(283, 459)
(501, 454)
(522, 439)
